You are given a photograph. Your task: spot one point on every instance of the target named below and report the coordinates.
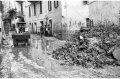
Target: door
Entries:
(32, 28)
(50, 26)
(42, 25)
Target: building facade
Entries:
(11, 11)
(105, 12)
(44, 13)
(75, 13)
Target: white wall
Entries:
(105, 11)
(75, 10)
(55, 14)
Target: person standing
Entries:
(46, 31)
(41, 31)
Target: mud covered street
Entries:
(22, 60)
(35, 62)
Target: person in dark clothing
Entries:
(46, 31)
(41, 31)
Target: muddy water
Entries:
(38, 52)
(35, 61)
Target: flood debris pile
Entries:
(92, 51)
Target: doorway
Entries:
(32, 28)
(42, 26)
(50, 27)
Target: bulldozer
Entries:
(21, 34)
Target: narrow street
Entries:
(59, 39)
(29, 61)
(33, 62)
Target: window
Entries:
(41, 22)
(34, 9)
(85, 2)
(29, 12)
(41, 25)
(40, 7)
(88, 22)
(49, 5)
(56, 4)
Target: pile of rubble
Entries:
(88, 52)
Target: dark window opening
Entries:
(41, 23)
(22, 8)
(85, 2)
(49, 5)
(29, 12)
(88, 22)
(56, 4)
(32, 28)
(34, 9)
(40, 7)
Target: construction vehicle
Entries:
(22, 35)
